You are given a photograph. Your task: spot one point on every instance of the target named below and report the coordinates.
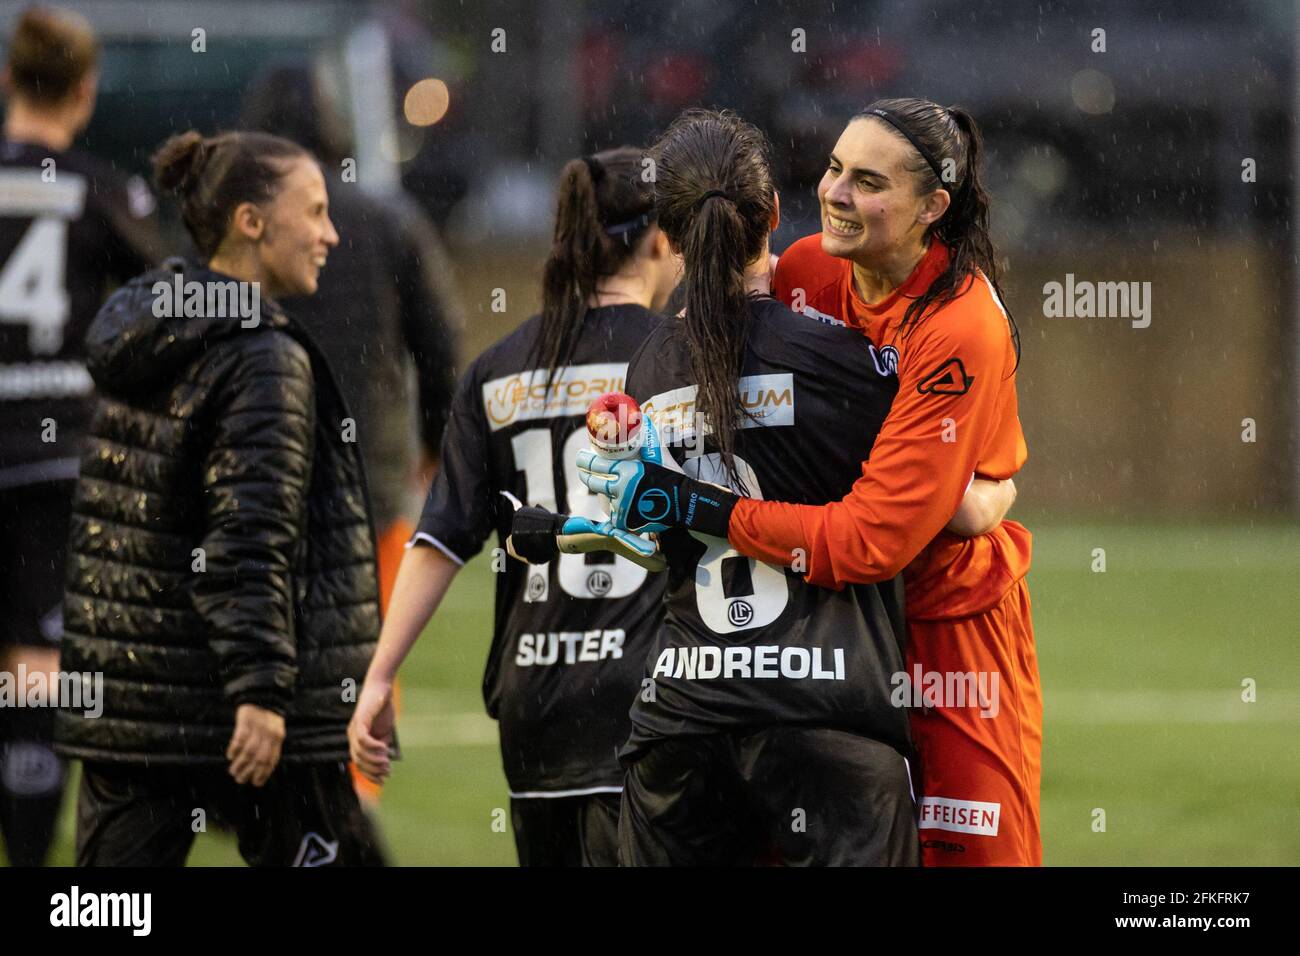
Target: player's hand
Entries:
(371, 730)
(647, 497)
(643, 496)
(254, 748)
(538, 536)
(983, 507)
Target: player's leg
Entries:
(34, 531)
(682, 806)
(598, 829)
(831, 798)
(979, 765)
(32, 775)
(306, 814)
(547, 830)
(131, 815)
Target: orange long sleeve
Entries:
(954, 416)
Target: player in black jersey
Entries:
(766, 731)
(69, 227)
(570, 637)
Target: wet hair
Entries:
(939, 136)
(603, 208)
(212, 175)
(50, 53)
(715, 200)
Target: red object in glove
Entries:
(614, 425)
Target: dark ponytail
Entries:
(715, 200)
(953, 141)
(212, 175)
(603, 207)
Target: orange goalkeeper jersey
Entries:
(954, 417)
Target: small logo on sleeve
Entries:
(950, 378)
(886, 360)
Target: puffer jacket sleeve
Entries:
(255, 477)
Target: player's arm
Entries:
(983, 507)
(456, 520)
(257, 468)
(986, 501)
(133, 239)
(920, 464)
(538, 536)
(423, 578)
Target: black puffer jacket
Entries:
(213, 436)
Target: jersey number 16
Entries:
(577, 578)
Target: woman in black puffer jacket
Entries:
(221, 570)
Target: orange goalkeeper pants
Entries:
(979, 747)
(390, 547)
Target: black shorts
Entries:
(566, 831)
(305, 815)
(34, 523)
(798, 796)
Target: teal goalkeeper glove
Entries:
(644, 496)
(538, 536)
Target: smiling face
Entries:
(869, 204)
(298, 234)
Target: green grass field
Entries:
(1142, 668)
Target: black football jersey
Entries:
(69, 226)
(570, 638)
(744, 644)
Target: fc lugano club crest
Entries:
(950, 378)
(600, 582)
(886, 360)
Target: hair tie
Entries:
(625, 229)
(594, 168)
(699, 203)
(897, 123)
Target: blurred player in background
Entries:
(570, 636)
(386, 303)
(70, 226)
